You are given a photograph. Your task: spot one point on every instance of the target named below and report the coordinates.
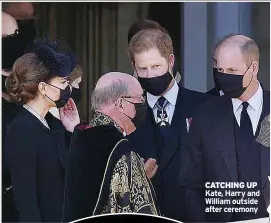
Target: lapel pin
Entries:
(188, 123)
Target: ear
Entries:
(119, 104)
(171, 60)
(255, 68)
(214, 62)
(42, 88)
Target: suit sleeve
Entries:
(22, 160)
(191, 175)
(68, 136)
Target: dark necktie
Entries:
(245, 122)
(162, 118)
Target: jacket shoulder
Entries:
(196, 96)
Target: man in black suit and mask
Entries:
(170, 109)
(222, 144)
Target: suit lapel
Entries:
(223, 122)
(62, 148)
(148, 131)
(177, 128)
(213, 92)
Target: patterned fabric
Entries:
(130, 188)
(102, 119)
(264, 135)
(162, 117)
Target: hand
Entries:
(69, 115)
(151, 167)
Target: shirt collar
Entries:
(171, 96)
(255, 101)
(102, 119)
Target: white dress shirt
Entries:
(171, 97)
(254, 109)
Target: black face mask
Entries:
(76, 95)
(215, 75)
(27, 27)
(15, 45)
(230, 84)
(141, 111)
(156, 85)
(4, 78)
(64, 96)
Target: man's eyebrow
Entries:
(232, 68)
(229, 68)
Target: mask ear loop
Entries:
(171, 73)
(44, 96)
(124, 131)
(251, 76)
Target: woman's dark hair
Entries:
(28, 71)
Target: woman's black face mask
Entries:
(64, 96)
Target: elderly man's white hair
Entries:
(9, 24)
(109, 88)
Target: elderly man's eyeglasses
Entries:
(142, 98)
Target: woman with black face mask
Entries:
(74, 79)
(35, 152)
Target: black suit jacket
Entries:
(210, 156)
(36, 161)
(145, 140)
(213, 92)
